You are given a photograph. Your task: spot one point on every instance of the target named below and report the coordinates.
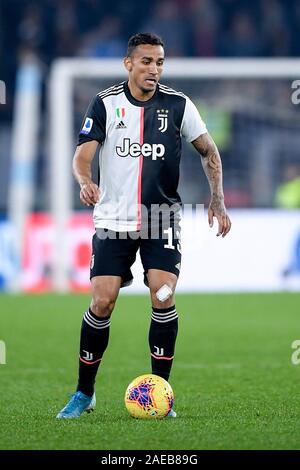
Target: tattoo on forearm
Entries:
(213, 169)
(211, 163)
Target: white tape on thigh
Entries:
(164, 293)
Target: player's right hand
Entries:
(89, 193)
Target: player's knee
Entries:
(103, 305)
(162, 296)
(166, 304)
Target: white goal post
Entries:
(63, 73)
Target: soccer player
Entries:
(138, 125)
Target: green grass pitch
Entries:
(235, 386)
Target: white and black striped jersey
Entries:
(140, 151)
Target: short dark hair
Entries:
(143, 38)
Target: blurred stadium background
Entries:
(253, 120)
(233, 371)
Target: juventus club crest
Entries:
(159, 351)
(87, 356)
(162, 116)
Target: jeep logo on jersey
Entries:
(135, 150)
(162, 115)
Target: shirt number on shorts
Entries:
(169, 232)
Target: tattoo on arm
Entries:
(212, 165)
(211, 162)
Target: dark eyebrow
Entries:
(151, 58)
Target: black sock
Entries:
(93, 342)
(162, 338)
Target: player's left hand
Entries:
(217, 209)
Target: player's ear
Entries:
(128, 64)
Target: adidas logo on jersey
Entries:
(121, 125)
(135, 150)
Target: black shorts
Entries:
(113, 253)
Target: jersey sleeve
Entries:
(192, 124)
(94, 123)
